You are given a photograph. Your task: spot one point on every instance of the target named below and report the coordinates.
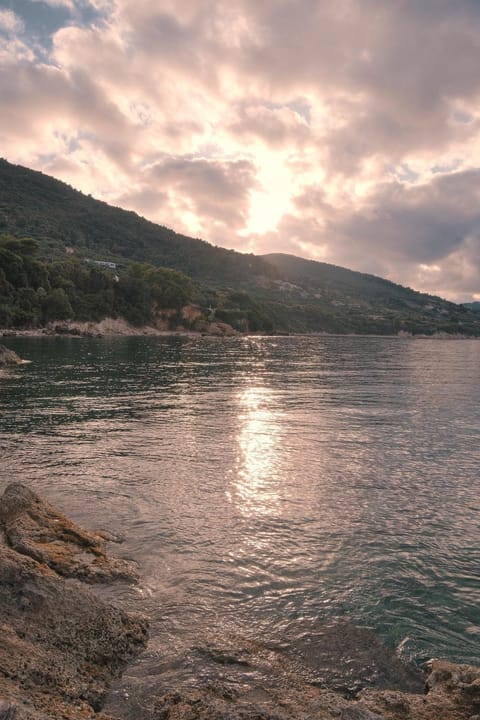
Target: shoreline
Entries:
(120, 328)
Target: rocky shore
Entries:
(8, 357)
(62, 646)
(117, 327)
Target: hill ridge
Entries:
(276, 292)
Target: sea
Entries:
(268, 488)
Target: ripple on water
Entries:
(268, 486)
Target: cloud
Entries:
(211, 194)
(426, 236)
(9, 22)
(275, 126)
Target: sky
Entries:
(346, 131)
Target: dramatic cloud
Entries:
(345, 131)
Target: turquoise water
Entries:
(270, 484)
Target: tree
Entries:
(56, 306)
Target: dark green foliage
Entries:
(34, 292)
(56, 305)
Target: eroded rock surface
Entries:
(60, 644)
(254, 681)
(34, 528)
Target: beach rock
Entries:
(8, 357)
(453, 696)
(34, 528)
(61, 645)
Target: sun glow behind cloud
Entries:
(273, 198)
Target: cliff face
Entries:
(61, 646)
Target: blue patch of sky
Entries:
(41, 21)
(301, 106)
(446, 167)
(404, 173)
(461, 118)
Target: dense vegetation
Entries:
(56, 245)
(34, 292)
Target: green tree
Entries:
(56, 306)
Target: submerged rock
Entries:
(347, 658)
(257, 681)
(61, 645)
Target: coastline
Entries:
(117, 327)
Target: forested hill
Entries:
(65, 255)
(36, 205)
(342, 282)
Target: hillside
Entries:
(57, 216)
(56, 244)
(359, 300)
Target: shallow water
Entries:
(266, 486)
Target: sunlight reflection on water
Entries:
(257, 482)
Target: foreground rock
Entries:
(257, 681)
(8, 357)
(34, 528)
(61, 646)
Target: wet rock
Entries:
(237, 656)
(458, 683)
(7, 710)
(274, 686)
(61, 645)
(34, 528)
(8, 357)
(209, 705)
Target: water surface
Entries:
(266, 486)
